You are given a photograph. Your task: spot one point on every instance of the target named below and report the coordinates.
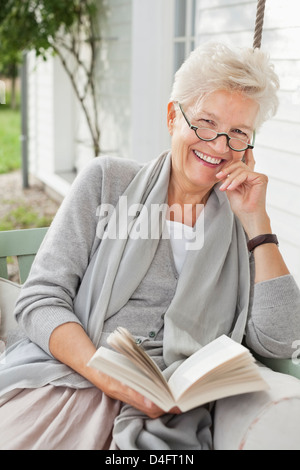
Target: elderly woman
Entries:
(174, 293)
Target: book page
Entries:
(209, 392)
(121, 368)
(220, 351)
(122, 341)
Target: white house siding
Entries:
(277, 148)
(50, 123)
(114, 76)
(152, 74)
(40, 112)
(59, 140)
(134, 76)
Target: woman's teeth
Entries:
(206, 158)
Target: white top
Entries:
(180, 235)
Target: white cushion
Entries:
(9, 292)
(261, 421)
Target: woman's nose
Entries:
(220, 144)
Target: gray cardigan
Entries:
(274, 314)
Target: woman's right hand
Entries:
(70, 344)
(117, 390)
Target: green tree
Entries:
(68, 28)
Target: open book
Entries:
(219, 369)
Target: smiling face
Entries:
(195, 163)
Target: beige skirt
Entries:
(57, 418)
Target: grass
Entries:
(23, 216)
(10, 143)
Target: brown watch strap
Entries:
(261, 239)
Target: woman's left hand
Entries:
(246, 191)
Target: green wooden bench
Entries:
(23, 244)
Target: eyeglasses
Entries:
(208, 135)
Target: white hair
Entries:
(214, 66)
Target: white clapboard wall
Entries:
(114, 78)
(277, 151)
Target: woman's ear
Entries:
(171, 116)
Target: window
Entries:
(184, 37)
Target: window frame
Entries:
(189, 38)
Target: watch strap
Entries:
(261, 240)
